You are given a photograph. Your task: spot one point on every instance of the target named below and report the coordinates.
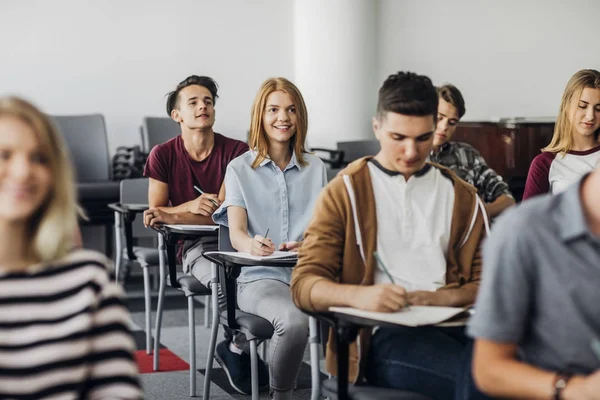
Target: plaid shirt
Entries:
(467, 163)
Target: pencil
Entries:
(201, 192)
(265, 236)
(382, 266)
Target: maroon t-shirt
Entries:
(170, 163)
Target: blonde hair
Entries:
(53, 227)
(258, 139)
(562, 139)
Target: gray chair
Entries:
(256, 329)
(86, 139)
(129, 228)
(358, 148)
(157, 130)
(191, 287)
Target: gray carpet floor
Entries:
(174, 335)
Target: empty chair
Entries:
(157, 130)
(134, 193)
(190, 287)
(86, 139)
(85, 136)
(358, 148)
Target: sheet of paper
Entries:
(202, 228)
(410, 316)
(278, 255)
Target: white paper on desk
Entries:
(278, 255)
(410, 316)
(200, 228)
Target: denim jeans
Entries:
(432, 361)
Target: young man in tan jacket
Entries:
(426, 226)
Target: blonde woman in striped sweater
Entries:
(63, 327)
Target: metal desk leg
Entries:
(162, 267)
(314, 358)
(118, 246)
(342, 361)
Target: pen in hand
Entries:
(265, 236)
(201, 192)
(382, 267)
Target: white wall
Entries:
(509, 58)
(335, 64)
(120, 58)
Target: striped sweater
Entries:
(64, 333)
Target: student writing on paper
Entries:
(64, 328)
(464, 160)
(273, 187)
(537, 311)
(575, 146)
(197, 157)
(425, 223)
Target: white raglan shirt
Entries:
(414, 218)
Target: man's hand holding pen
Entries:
(205, 204)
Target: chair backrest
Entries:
(136, 191)
(332, 173)
(85, 136)
(358, 148)
(224, 240)
(157, 130)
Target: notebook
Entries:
(199, 228)
(412, 315)
(278, 255)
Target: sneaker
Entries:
(236, 366)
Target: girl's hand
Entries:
(290, 246)
(261, 246)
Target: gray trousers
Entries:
(272, 300)
(200, 268)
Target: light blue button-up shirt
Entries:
(280, 201)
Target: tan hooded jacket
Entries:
(331, 251)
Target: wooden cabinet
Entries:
(508, 146)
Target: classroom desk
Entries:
(346, 329)
(167, 241)
(228, 269)
(124, 213)
(231, 269)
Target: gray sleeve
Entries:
(504, 302)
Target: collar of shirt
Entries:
(570, 217)
(388, 172)
(445, 147)
(293, 161)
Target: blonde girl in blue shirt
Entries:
(273, 187)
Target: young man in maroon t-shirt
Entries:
(198, 157)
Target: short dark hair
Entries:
(207, 82)
(409, 94)
(452, 95)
